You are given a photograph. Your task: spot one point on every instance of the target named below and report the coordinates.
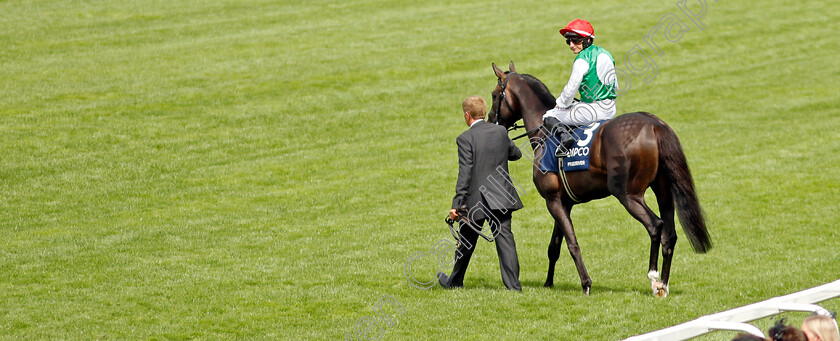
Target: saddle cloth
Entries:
(578, 158)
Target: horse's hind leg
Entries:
(631, 194)
(635, 204)
(668, 235)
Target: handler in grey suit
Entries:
(485, 188)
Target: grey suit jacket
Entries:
(483, 177)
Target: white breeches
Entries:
(581, 114)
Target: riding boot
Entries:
(563, 133)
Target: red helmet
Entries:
(580, 27)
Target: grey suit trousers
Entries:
(500, 226)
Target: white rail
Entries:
(736, 319)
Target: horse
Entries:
(628, 154)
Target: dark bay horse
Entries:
(629, 153)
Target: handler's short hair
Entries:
(475, 106)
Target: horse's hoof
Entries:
(548, 284)
(659, 289)
(586, 291)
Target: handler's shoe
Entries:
(443, 280)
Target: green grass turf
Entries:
(259, 169)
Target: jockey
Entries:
(593, 75)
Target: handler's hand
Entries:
(453, 214)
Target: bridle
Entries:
(504, 99)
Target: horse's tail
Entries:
(682, 186)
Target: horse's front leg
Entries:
(553, 253)
(561, 214)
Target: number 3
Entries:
(588, 133)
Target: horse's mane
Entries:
(540, 89)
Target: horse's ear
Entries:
(499, 73)
(512, 68)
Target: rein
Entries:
(457, 235)
(515, 126)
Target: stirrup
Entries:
(561, 152)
